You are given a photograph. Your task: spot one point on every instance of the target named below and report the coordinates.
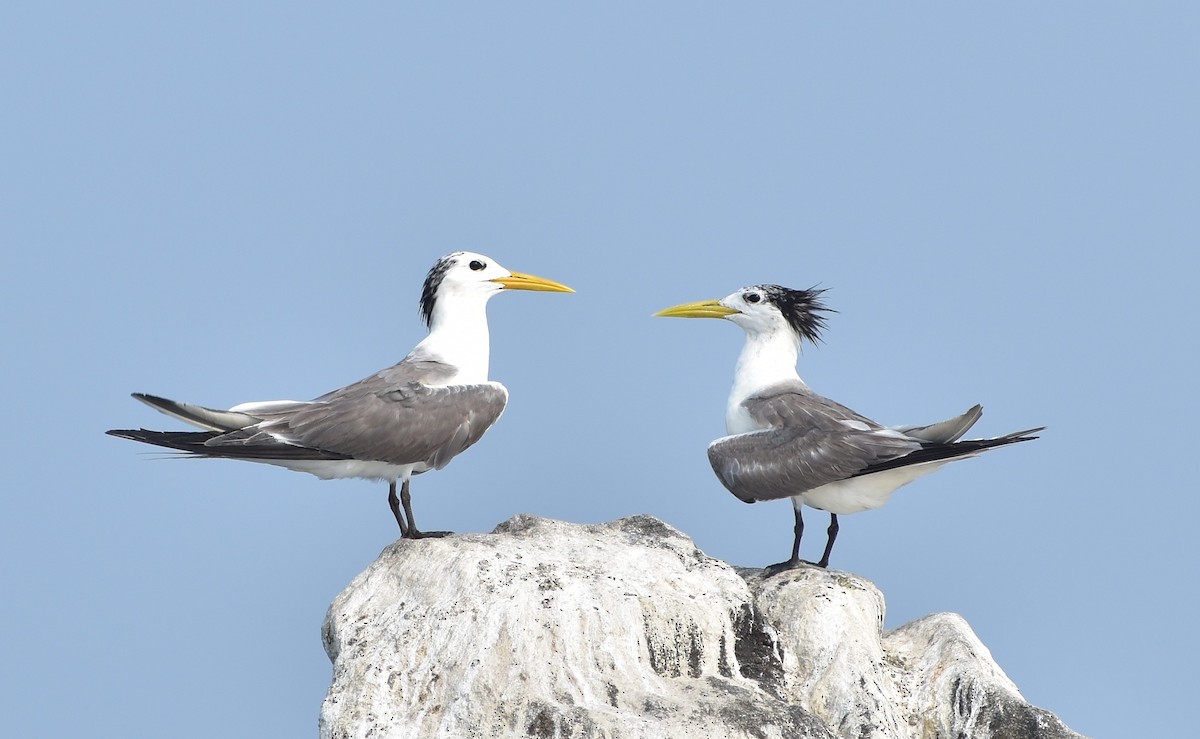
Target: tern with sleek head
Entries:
(409, 418)
(785, 441)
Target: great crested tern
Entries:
(785, 441)
(414, 416)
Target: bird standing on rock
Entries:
(412, 417)
(785, 441)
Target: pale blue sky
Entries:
(222, 202)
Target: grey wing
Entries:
(198, 415)
(945, 432)
(423, 371)
(388, 417)
(793, 405)
(812, 441)
(781, 463)
(402, 425)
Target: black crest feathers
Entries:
(801, 308)
(432, 282)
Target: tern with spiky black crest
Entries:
(409, 418)
(785, 441)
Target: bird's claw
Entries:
(425, 534)
(791, 564)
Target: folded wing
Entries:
(807, 441)
(392, 417)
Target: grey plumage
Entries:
(944, 432)
(810, 441)
(806, 445)
(197, 415)
(409, 418)
(785, 441)
(389, 417)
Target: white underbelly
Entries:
(866, 492)
(336, 469)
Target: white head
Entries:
(763, 310)
(454, 306)
(468, 278)
(775, 319)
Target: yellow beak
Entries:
(699, 309)
(522, 281)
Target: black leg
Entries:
(406, 501)
(833, 529)
(413, 532)
(799, 532)
(394, 504)
(794, 562)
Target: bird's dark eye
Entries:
(476, 265)
(753, 297)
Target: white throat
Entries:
(767, 358)
(458, 336)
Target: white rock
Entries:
(626, 630)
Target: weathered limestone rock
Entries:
(626, 630)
